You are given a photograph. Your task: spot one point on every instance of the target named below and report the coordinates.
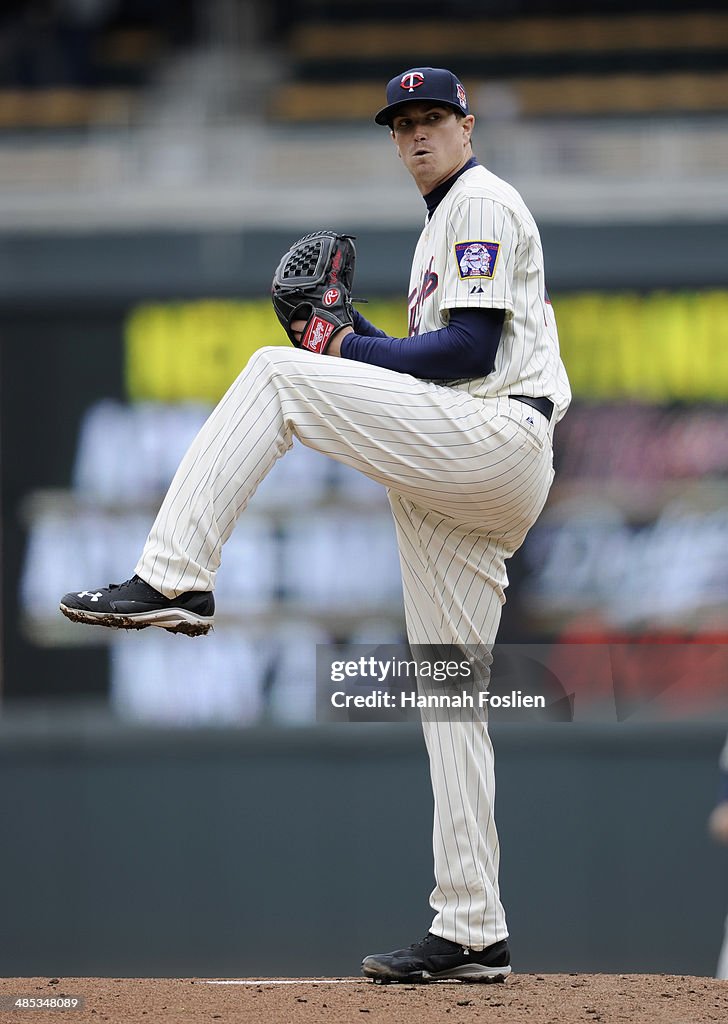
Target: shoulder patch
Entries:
(476, 258)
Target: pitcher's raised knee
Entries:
(279, 357)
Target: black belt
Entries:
(544, 405)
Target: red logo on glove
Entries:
(331, 296)
(335, 266)
(317, 334)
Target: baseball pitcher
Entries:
(456, 420)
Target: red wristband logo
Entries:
(317, 335)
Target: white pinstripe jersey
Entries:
(481, 249)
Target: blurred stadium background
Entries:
(174, 807)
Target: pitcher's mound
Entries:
(523, 999)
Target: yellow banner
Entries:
(659, 347)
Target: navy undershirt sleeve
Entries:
(362, 326)
(466, 348)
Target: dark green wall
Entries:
(282, 853)
(120, 267)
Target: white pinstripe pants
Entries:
(466, 479)
(721, 971)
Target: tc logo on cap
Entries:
(412, 80)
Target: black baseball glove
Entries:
(313, 283)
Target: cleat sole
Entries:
(468, 974)
(178, 621)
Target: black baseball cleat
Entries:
(136, 605)
(437, 959)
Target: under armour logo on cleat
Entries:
(87, 593)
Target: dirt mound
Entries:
(523, 999)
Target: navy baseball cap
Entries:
(436, 85)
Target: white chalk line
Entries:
(292, 981)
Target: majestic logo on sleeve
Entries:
(477, 259)
(412, 80)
